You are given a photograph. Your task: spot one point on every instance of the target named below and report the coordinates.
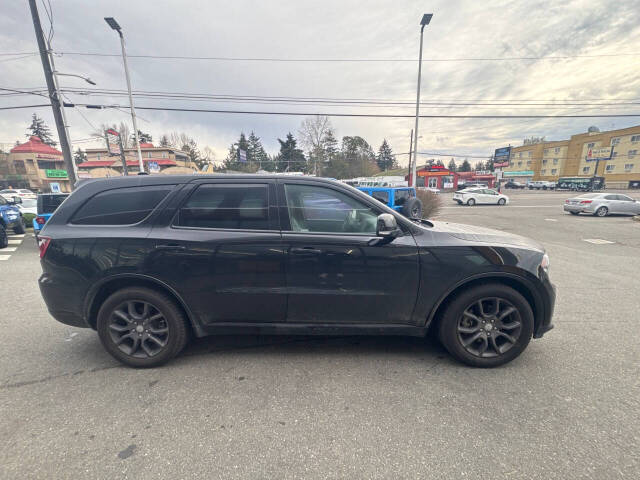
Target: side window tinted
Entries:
(611, 197)
(321, 209)
(401, 196)
(381, 196)
(121, 206)
(229, 206)
(624, 198)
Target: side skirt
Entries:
(239, 328)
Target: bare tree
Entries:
(313, 133)
(122, 129)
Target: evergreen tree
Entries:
(40, 130)
(79, 156)
(452, 165)
(190, 147)
(330, 145)
(144, 138)
(465, 167)
(360, 159)
(164, 141)
(290, 158)
(257, 154)
(439, 163)
(386, 160)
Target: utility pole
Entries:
(410, 149)
(426, 19)
(53, 94)
(115, 26)
(62, 112)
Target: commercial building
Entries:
(580, 156)
(166, 160)
(436, 176)
(34, 165)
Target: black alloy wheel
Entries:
(142, 327)
(487, 325)
(138, 329)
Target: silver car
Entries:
(602, 204)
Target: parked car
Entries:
(12, 193)
(28, 205)
(47, 203)
(477, 196)
(515, 185)
(541, 185)
(148, 261)
(465, 186)
(401, 199)
(602, 204)
(10, 217)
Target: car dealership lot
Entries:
(358, 407)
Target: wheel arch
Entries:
(101, 291)
(518, 283)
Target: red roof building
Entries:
(35, 145)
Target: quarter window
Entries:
(320, 209)
(121, 206)
(227, 206)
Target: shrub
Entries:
(27, 219)
(430, 202)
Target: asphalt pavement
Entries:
(343, 407)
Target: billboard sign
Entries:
(599, 154)
(153, 167)
(501, 157)
(51, 173)
(113, 142)
(242, 156)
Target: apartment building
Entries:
(573, 158)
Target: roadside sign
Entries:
(599, 153)
(55, 187)
(51, 173)
(153, 167)
(242, 156)
(501, 157)
(113, 142)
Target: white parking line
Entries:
(551, 220)
(17, 235)
(512, 206)
(15, 242)
(597, 241)
(9, 249)
(4, 257)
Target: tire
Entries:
(471, 202)
(502, 201)
(412, 208)
(19, 229)
(171, 330)
(520, 325)
(574, 213)
(4, 240)
(601, 212)
(459, 202)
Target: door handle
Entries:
(305, 251)
(171, 246)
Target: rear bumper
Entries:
(62, 302)
(577, 208)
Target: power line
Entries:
(281, 59)
(362, 115)
(18, 58)
(16, 107)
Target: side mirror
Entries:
(387, 227)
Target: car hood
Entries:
(474, 233)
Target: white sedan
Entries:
(473, 196)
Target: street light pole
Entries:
(426, 18)
(115, 26)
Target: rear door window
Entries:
(401, 196)
(381, 196)
(227, 206)
(121, 206)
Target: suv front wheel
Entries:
(141, 327)
(487, 326)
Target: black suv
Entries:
(148, 261)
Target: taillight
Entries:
(43, 244)
(41, 220)
(567, 201)
(584, 202)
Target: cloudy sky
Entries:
(462, 43)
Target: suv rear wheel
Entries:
(19, 229)
(487, 326)
(4, 240)
(141, 327)
(412, 208)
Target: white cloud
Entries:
(338, 29)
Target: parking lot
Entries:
(342, 407)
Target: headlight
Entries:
(545, 262)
